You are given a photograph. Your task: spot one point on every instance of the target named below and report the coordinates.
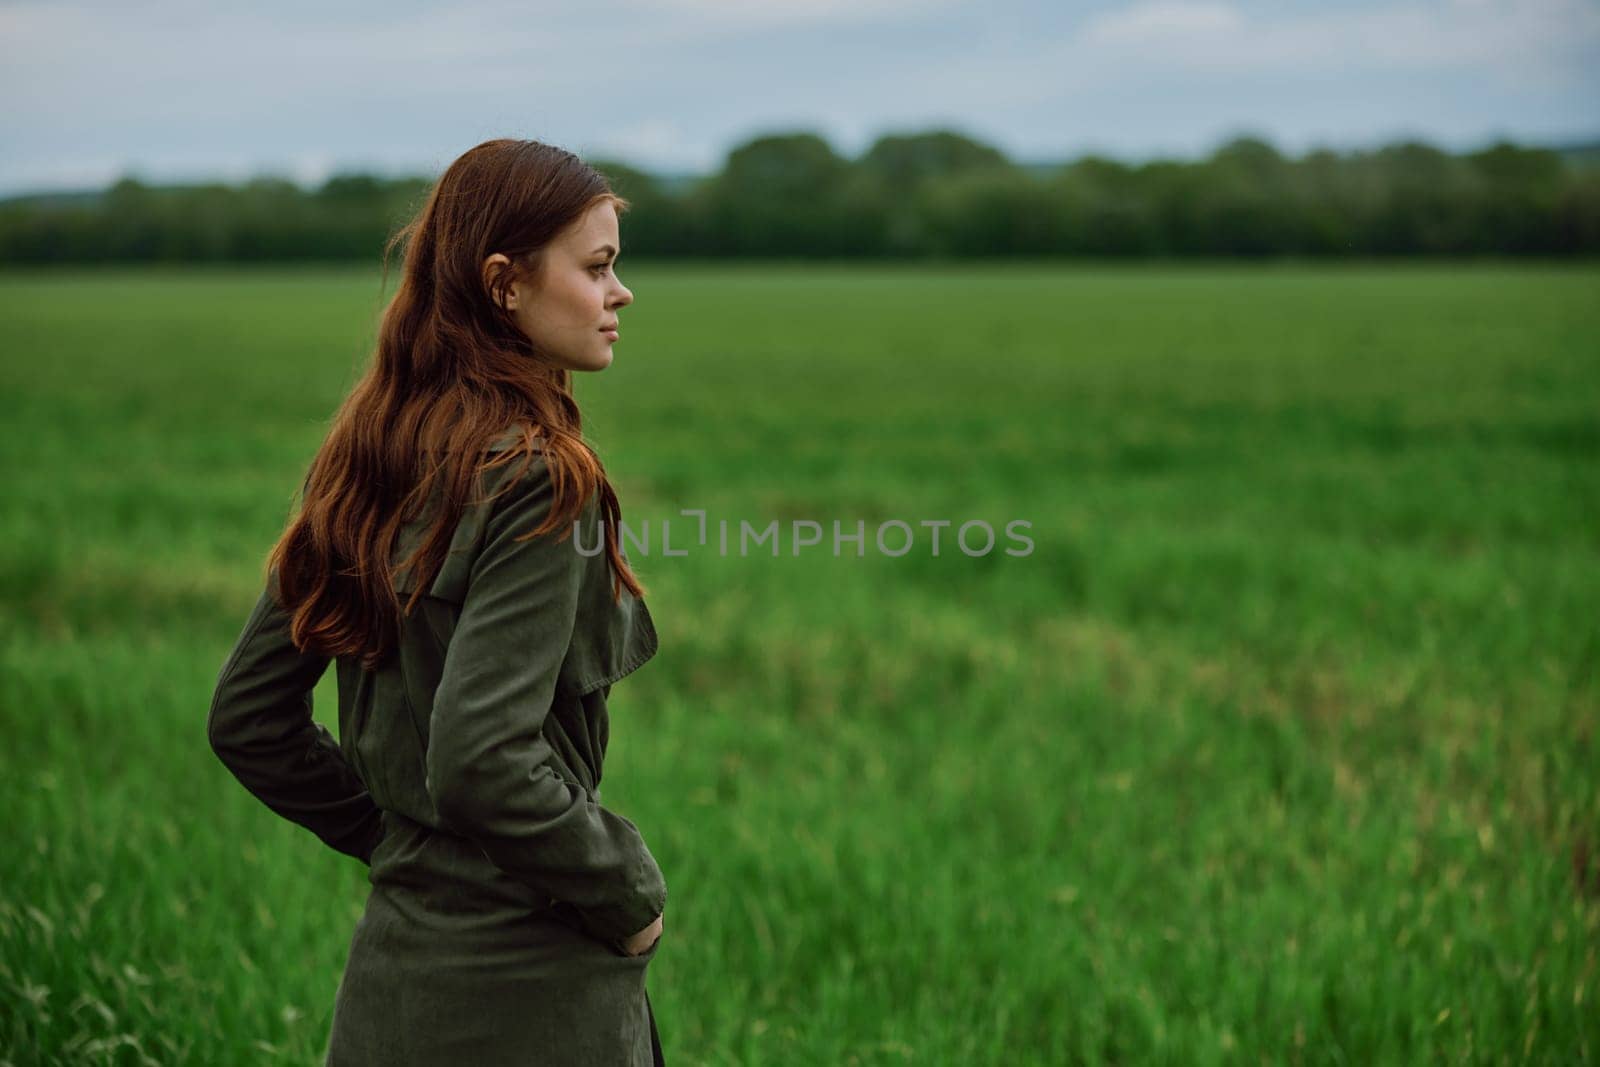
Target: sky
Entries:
(175, 91)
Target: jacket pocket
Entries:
(568, 916)
(609, 641)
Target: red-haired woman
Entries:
(446, 555)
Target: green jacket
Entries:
(467, 776)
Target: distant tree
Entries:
(1244, 201)
(1103, 210)
(652, 226)
(1425, 201)
(1521, 211)
(350, 189)
(1328, 222)
(780, 193)
(1251, 158)
(1173, 191)
(1577, 215)
(893, 174)
(910, 194)
(907, 160)
(991, 212)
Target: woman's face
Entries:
(573, 298)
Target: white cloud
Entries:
(648, 139)
(1175, 22)
(751, 14)
(1530, 42)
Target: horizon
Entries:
(311, 182)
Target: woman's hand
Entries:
(641, 941)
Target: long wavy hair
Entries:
(451, 373)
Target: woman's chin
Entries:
(587, 362)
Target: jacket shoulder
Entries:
(501, 483)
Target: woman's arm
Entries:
(260, 726)
(489, 770)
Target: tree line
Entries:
(932, 194)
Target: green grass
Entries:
(1279, 747)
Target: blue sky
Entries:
(179, 90)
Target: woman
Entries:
(446, 555)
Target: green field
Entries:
(1280, 747)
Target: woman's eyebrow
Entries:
(606, 249)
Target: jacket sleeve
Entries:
(260, 726)
(489, 769)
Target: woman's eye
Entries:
(601, 267)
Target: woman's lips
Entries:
(612, 335)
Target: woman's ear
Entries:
(495, 268)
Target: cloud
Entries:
(1528, 42)
(739, 15)
(654, 138)
(1163, 23)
